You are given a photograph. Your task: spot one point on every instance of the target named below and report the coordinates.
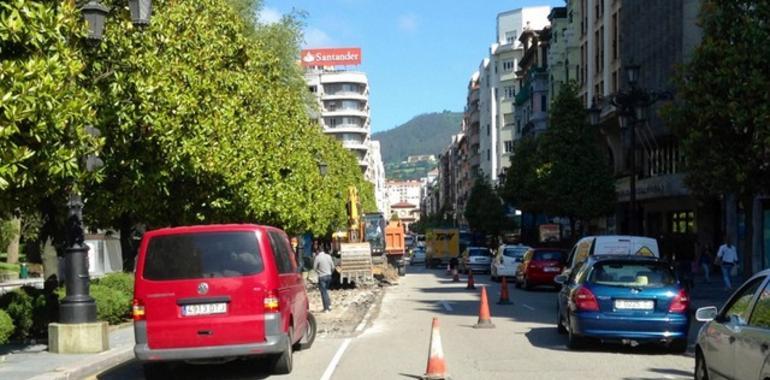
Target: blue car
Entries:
(627, 299)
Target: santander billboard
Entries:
(331, 57)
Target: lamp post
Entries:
(78, 306)
(631, 104)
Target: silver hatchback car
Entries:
(734, 343)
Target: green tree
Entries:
(524, 187)
(722, 111)
(484, 210)
(44, 106)
(577, 179)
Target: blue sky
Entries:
(418, 54)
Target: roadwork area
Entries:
(350, 305)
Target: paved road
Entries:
(524, 344)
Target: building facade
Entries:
(403, 192)
(343, 113)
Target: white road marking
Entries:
(336, 360)
(446, 306)
(528, 307)
(361, 326)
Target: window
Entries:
(510, 37)
(489, 155)
(313, 89)
(683, 222)
(488, 129)
(508, 66)
(202, 255)
(543, 103)
(760, 317)
(508, 146)
(281, 253)
(509, 92)
(738, 310)
(615, 33)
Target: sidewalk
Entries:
(35, 362)
(713, 293)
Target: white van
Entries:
(611, 245)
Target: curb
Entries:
(90, 366)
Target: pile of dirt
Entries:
(349, 307)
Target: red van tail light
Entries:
(137, 310)
(585, 300)
(271, 301)
(680, 303)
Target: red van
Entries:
(218, 293)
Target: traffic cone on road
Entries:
(504, 298)
(436, 364)
(471, 283)
(485, 321)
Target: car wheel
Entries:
(701, 371)
(678, 346)
(158, 370)
(574, 342)
(308, 337)
(525, 284)
(284, 362)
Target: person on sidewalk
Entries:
(324, 266)
(705, 259)
(727, 257)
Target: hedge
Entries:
(6, 327)
(112, 305)
(120, 281)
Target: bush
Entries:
(19, 306)
(122, 282)
(112, 306)
(6, 326)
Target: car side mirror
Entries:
(706, 314)
(560, 279)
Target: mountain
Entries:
(428, 133)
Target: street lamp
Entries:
(78, 306)
(594, 114)
(631, 104)
(141, 10)
(322, 168)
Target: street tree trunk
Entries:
(127, 249)
(747, 257)
(13, 245)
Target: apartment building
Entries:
(497, 87)
(343, 109)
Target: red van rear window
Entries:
(202, 255)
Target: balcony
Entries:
(354, 145)
(345, 95)
(346, 112)
(346, 128)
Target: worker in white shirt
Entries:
(727, 258)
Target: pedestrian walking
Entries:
(727, 257)
(705, 260)
(323, 266)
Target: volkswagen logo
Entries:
(203, 288)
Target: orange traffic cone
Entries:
(485, 321)
(471, 283)
(436, 364)
(504, 299)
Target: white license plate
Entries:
(204, 309)
(634, 304)
(551, 269)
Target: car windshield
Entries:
(480, 252)
(202, 255)
(549, 255)
(632, 274)
(514, 252)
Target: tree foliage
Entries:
(722, 112)
(484, 210)
(563, 171)
(203, 118)
(44, 104)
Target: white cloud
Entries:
(269, 15)
(407, 22)
(316, 38)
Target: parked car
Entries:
(734, 341)
(417, 257)
(507, 261)
(476, 259)
(628, 299)
(217, 293)
(539, 267)
(611, 245)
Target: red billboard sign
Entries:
(331, 57)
